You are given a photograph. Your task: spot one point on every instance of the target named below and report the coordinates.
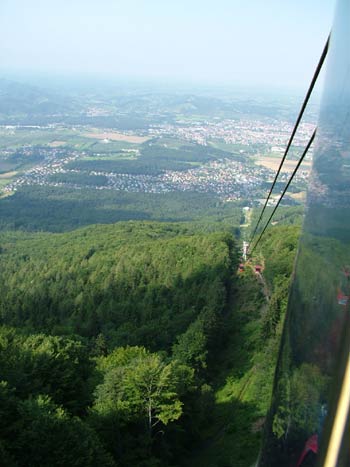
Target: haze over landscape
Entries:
(256, 43)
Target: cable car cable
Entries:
(286, 187)
(306, 100)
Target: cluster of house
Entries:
(245, 132)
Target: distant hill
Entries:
(24, 99)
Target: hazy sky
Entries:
(229, 41)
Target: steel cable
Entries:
(303, 107)
(286, 187)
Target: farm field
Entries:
(273, 163)
(116, 136)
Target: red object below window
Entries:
(310, 445)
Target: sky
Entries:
(252, 42)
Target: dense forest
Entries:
(55, 209)
(136, 343)
(124, 280)
(154, 159)
(107, 333)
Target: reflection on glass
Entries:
(318, 310)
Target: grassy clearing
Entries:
(112, 146)
(37, 136)
(30, 137)
(243, 386)
(244, 369)
(230, 147)
(4, 182)
(57, 137)
(7, 175)
(173, 143)
(112, 156)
